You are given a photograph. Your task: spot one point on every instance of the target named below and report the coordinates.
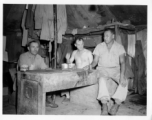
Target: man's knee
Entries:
(102, 79)
(117, 101)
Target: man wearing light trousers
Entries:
(110, 58)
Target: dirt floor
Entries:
(135, 105)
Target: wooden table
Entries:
(33, 85)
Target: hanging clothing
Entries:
(44, 20)
(61, 21)
(118, 39)
(25, 31)
(131, 45)
(38, 16)
(139, 70)
(64, 48)
(142, 35)
(29, 24)
(124, 40)
(29, 17)
(5, 55)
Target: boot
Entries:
(114, 109)
(104, 109)
(50, 102)
(66, 100)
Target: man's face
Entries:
(108, 36)
(34, 48)
(79, 44)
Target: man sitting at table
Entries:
(82, 57)
(110, 57)
(34, 61)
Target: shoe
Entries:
(66, 100)
(50, 102)
(114, 109)
(104, 109)
(49, 99)
(52, 105)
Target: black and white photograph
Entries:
(75, 59)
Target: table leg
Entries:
(43, 103)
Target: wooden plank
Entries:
(116, 32)
(102, 27)
(41, 99)
(19, 92)
(54, 81)
(43, 103)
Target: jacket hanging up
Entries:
(44, 20)
(139, 69)
(29, 24)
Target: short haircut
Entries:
(110, 29)
(33, 41)
(79, 39)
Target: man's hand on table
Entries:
(86, 67)
(89, 68)
(123, 81)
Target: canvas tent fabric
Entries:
(80, 16)
(91, 14)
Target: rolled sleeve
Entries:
(43, 65)
(122, 50)
(22, 60)
(96, 51)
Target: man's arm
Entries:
(89, 61)
(122, 70)
(72, 57)
(43, 64)
(95, 61)
(22, 60)
(90, 57)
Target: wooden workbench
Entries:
(33, 85)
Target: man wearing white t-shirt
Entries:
(110, 58)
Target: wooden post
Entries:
(135, 68)
(55, 35)
(116, 32)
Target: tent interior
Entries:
(22, 23)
